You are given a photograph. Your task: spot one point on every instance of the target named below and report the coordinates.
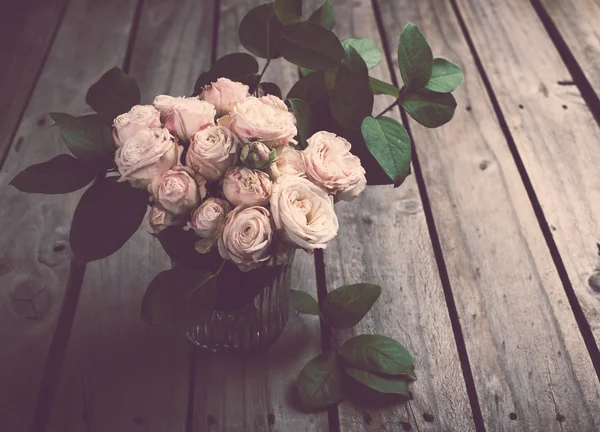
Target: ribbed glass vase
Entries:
(253, 326)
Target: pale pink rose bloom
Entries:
(265, 119)
(178, 190)
(329, 164)
(224, 94)
(244, 186)
(246, 238)
(160, 219)
(185, 116)
(303, 213)
(139, 117)
(288, 161)
(146, 155)
(207, 222)
(211, 152)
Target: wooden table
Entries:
(489, 254)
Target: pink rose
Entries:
(139, 117)
(177, 191)
(244, 186)
(185, 116)
(303, 213)
(211, 152)
(266, 119)
(246, 238)
(160, 218)
(146, 155)
(288, 161)
(207, 222)
(330, 164)
(224, 94)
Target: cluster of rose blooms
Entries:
(225, 165)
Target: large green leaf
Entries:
(351, 98)
(429, 108)
(445, 76)
(382, 384)
(88, 138)
(180, 244)
(113, 94)
(346, 306)
(304, 120)
(233, 66)
(311, 46)
(179, 298)
(59, 175)
(107, 215)
(288, 11)
(323, 16)
(378, 354)
(320, 382)
(379, 87)
(303, 303)
(309, 88)
(414, 57)
(260, 31)
(389, 143)
(366, 48)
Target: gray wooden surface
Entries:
(488, 255)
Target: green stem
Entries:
(212, 276)
(401, 94)
(260, 77)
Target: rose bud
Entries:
(257, 155)
(265, 119)
(224, 94)
(243, 186)
(211, 152)
(185, 116)
(303, 213)
(160, 219)
(246, 238)
(146, 155)
(177, 191)
(329, 164)
(139, 117)
(207, 222)
(224, 121)
(287, 161)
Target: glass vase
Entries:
(252, 326)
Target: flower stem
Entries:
(261, 74)
(401, 94)
(208, 278)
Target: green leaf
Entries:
(179, 298)
(59, 175)
(180, 244)
(270, 88)
(288, 11)
(113, 94)
(88, 138)
(323, 16)
(366, 48)
(414, 57)
(260, 31)
(237, 288)
(379, 87)
(303, 303)
(346, 306)
(106, 216)
(310, 88)
(382, 384)
(445, 76)
(378, 354)
(320, 382)
(389, 143)
(311, 46)
(304, 71)
(233, 66)
(304, 120)
(429, 108)
(351, 98)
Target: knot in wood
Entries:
(594, 282)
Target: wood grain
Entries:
(257, 392)
(531, 367)
(35, 255)
(118, 373)
(384, 239)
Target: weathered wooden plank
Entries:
(384, 239)
(256, 392)
(117, 371)
(27, 28)
(531, 368)
(35, 253)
